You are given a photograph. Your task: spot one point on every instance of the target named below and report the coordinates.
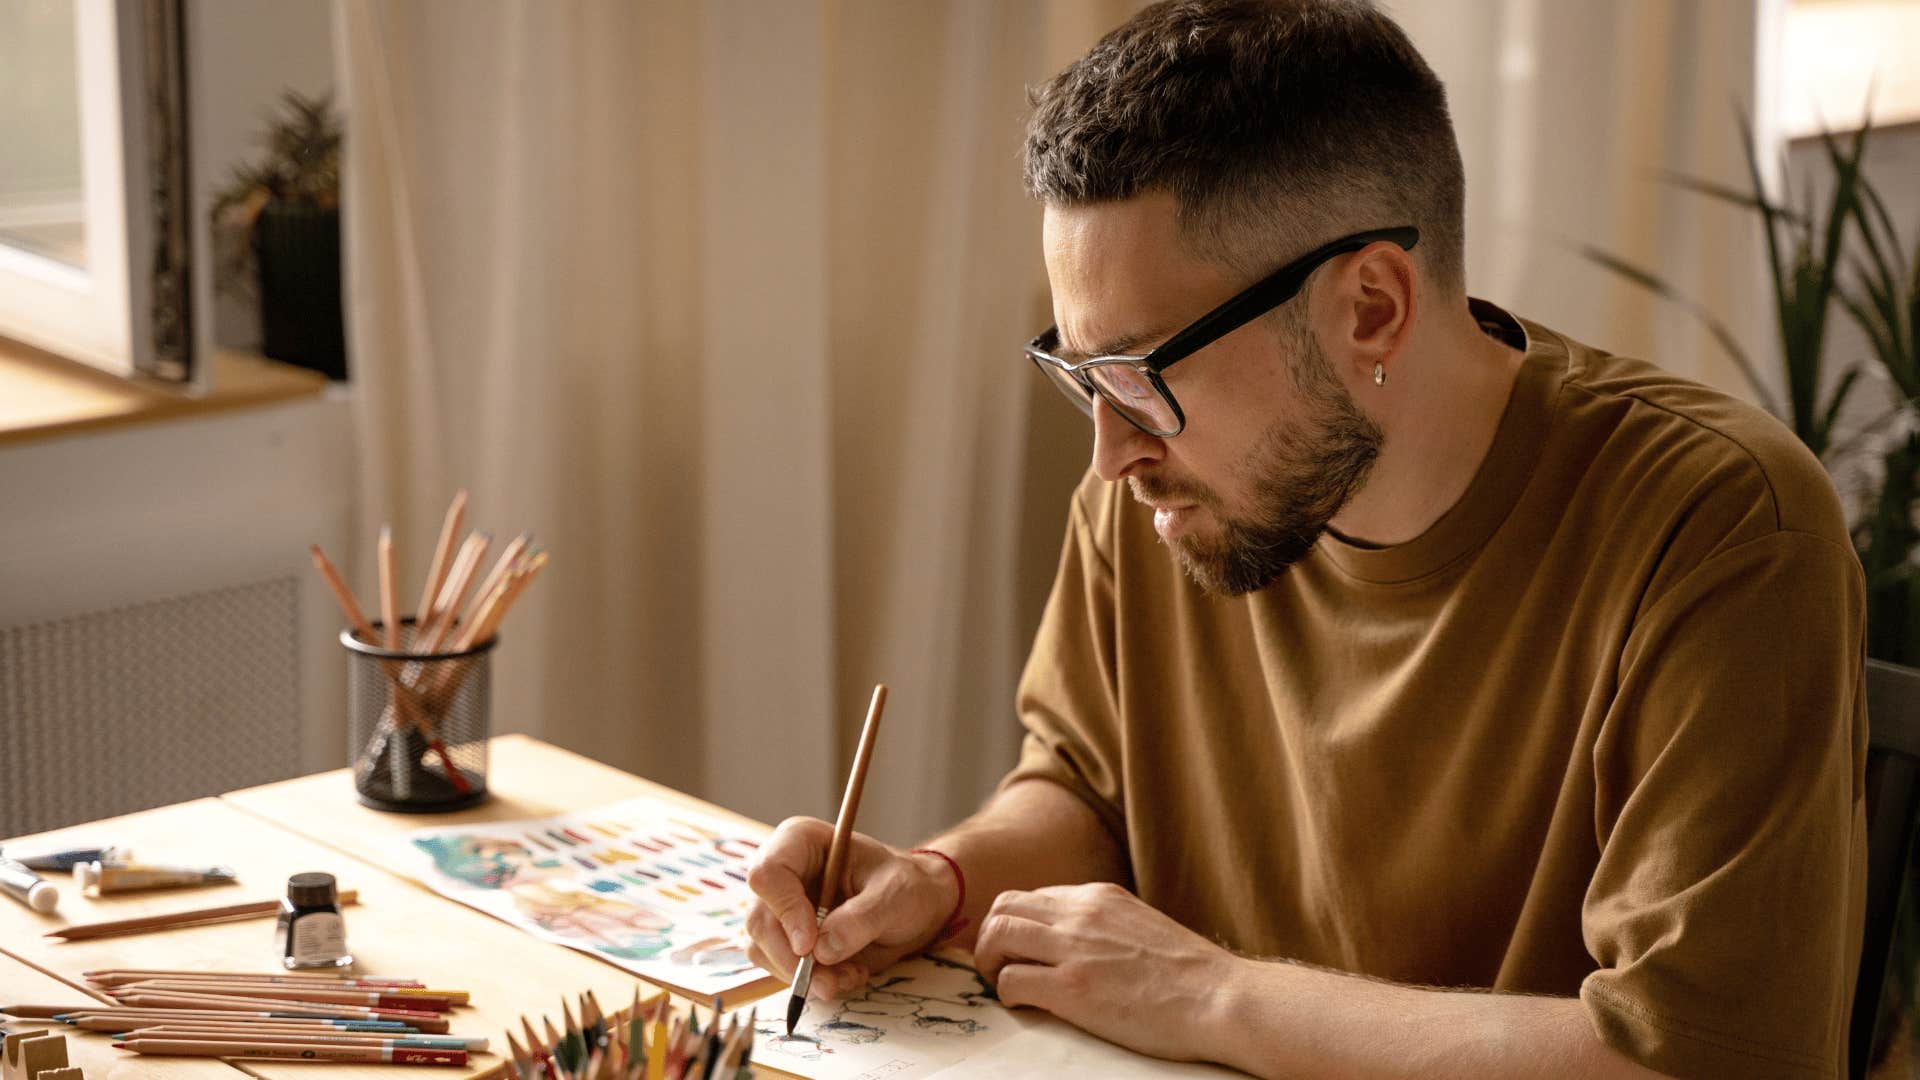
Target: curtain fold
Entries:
(1570, 117)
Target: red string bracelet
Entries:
(957, 922)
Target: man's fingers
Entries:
(858, 922)
(766, 934)
(837, 981)
(793, 855)
(1011, 939)
(1032, 985)
(1041, 907)
(761, 960)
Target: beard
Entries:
(1299, 477)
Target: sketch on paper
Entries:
(645, 884)
(920, 1016)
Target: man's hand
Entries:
(892, 903)
(1100, 958)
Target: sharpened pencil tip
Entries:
(795, 1006)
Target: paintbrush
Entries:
(837, 850)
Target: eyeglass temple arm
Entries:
(1270, 293)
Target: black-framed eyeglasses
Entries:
(1132, 384)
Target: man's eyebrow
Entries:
(1125, 345)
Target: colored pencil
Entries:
(442, 552)
(427, 1003)
(404, 696)
(364, 1055)
(439, 1042)
(417, 1017)
(425, 997)
(389, 590)
(128, 1021)
(260, 1010)
(171, 919)
(453, 595)
(522, 1063)
(38, 1012)
(508, 562)
(111, 976)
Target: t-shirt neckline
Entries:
(1498, 482)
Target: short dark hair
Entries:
(1275, 124)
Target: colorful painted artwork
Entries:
(657, 890)
(934, 1016)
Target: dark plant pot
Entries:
(297, 247)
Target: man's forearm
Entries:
(1034, 834)
(1279, 1019)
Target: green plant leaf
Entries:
(1885, 347)
(1769, 218)
(1839, 398)
(1652, 282)
(1722, 192)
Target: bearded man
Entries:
(1423, 692)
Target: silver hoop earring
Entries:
(1379, 374)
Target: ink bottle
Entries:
(312, 933)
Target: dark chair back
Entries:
(1893, 801)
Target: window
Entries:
(1833, 52)
(93, 238)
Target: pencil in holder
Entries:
(417, 724)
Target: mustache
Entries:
(1154, 487)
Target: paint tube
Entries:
(29, 888)
(100, 877)
(63, 861)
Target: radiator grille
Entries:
(115, 711)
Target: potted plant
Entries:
(282, 212)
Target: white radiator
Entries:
(115, 711)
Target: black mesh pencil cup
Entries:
(417, 724)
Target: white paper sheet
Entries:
(934, 1016)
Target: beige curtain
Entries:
(723, 301)
(1568, 113)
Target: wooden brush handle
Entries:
(850, 802)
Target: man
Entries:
(1498, 663)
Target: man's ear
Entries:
(1374, 295)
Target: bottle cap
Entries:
(43, 897)
(312, 890)
(85, 874)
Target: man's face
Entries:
(1274, 445)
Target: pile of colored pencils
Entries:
(360, 1019)
(447, 621)
(641, 1043)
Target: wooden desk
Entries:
(400, 926)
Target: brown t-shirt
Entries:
(1600, 730)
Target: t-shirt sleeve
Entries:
(1725, 909)
(1066, 698)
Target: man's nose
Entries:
(1119, 448)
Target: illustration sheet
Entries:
(934, 1016)
(658, 890)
